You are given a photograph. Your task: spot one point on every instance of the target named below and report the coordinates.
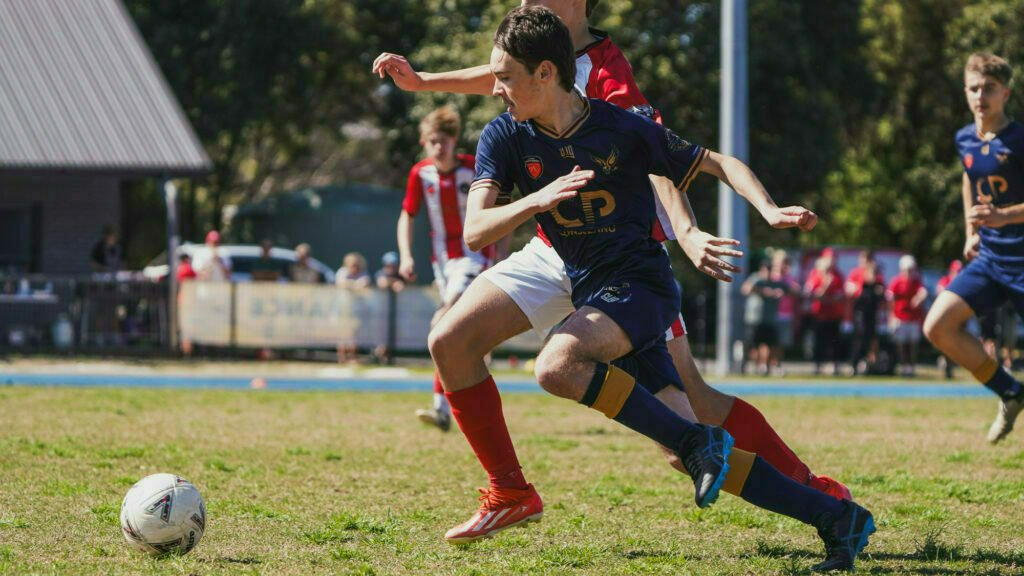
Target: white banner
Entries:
(276, 315)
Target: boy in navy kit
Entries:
(992, 153)
(582, 167)
(533, 279)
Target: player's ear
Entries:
(546, 71)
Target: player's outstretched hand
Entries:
(400, 71)
(791, 217)
(562, 188)
(706, 253)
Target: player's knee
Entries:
(443, 342)
(550, 368)
(934, 328)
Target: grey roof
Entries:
(79, 90)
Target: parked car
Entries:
(242, 258)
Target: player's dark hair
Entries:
(533, 34)
(591, 4)
(990, 65)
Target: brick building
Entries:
(84, 109)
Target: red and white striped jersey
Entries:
(603, 72)
(445, 198)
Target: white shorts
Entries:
(453, 276)
(535, 279)
(905, 332)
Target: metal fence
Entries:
(96, 314)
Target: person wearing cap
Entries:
(301, 272)
(388, 278)
(906, 295)
(212, 267)
(824, 288)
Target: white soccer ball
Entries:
(163, 514)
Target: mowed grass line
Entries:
(351, 483)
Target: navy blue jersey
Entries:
(604, 231)
(996, 172)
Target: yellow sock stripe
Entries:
(740, 463)
(618, 385)
(986, 371)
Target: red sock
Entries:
(753, 434)
(478, 411)
(438, 389)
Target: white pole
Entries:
(732, 209)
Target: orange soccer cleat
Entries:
(835, 488)
(502, 508)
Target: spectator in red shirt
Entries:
(865, 286)
(906, 295)
(945, 364)
(185, 270)
(824, 288)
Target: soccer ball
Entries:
(163, 514)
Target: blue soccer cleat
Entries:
(845, 536)
(704, 451)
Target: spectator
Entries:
(906, 294)
(214, 267)
(388, 277)
(106, 253)
(763, 296)
(301, 272)
(781, 266)
(183, 273)
(352, 273)
(824, 287)
(945, 364)
(185, 270)
(866, 288)
(266, 269)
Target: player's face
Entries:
(985, 95)
(438, 145)
(516, 87)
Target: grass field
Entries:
(350, 483)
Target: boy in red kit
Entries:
(542, 295)
(440, 183)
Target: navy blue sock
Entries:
(616, 394)
(1003, 384)
(768, 488)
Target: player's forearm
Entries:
(739, 177)
(968, 200)
(486, 226)
(676, 204)
(405, 234)
(476, 80)
(1014, 214)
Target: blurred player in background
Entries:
(992, 152)
(543, 295)
(441, 182)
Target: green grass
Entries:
(350, 483)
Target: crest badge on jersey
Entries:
(534, 166)
(675, 142)
(969, 161)
(608, 164)
(430, 190)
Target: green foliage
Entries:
(853, 103)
